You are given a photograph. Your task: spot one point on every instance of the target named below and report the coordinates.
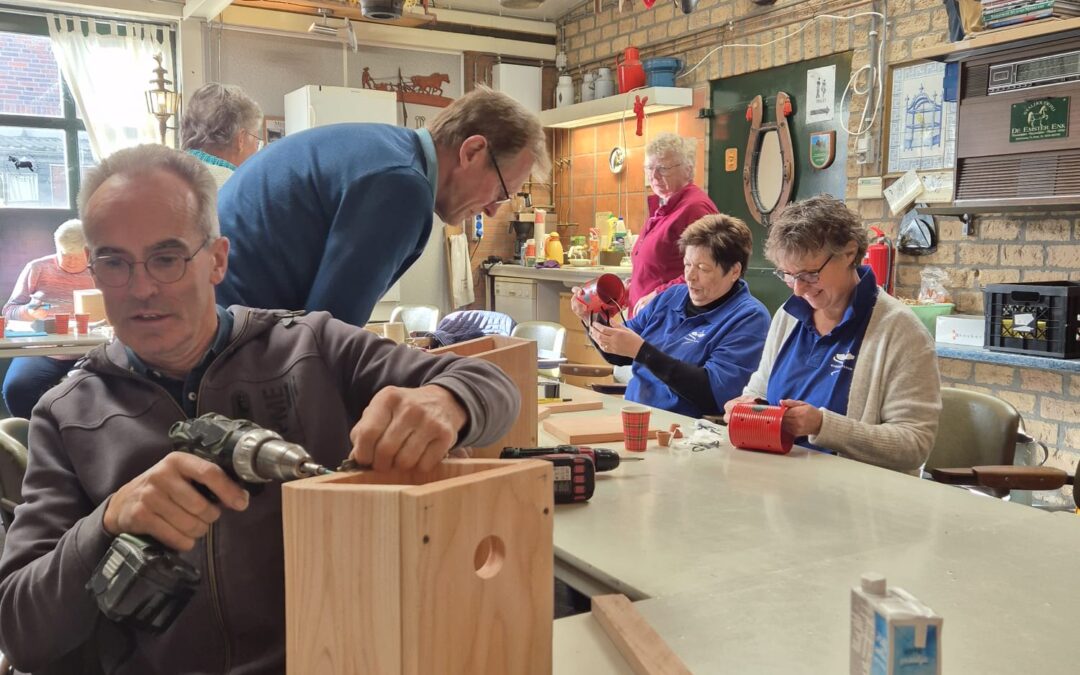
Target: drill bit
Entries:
(351, 464)
(313, 469)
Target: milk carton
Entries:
(892, 633)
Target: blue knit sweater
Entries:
(326, 219)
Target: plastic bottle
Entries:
(594, 246)
(892, 633)
(539, 235)
(554, 248)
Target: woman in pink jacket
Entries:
(658, 264)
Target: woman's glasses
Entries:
(805, 277)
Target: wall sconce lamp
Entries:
(161, 102)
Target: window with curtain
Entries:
(108, 65)
(44, 147)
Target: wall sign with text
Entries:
(1039, 120)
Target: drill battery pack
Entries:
(142, 583)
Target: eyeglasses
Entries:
(805, 277)
(165, 268)
(499, 174)
(663, 171)
(257, 137)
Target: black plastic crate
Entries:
(1039, 318)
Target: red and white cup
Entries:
(62, 323)
(635, 423)
(755, 426)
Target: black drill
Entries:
(143, 584)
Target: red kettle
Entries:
(631, 72)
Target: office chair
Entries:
(417, 318)
(549, 338)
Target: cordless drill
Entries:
(142, 583)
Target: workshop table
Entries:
(744, 561)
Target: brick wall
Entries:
(1003, 248)
(30, 79)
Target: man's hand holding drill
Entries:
(163, 502)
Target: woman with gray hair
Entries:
(45, 286)
(221, 127)
(854, 367)
(658, 264)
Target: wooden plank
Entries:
(586, 430)
(322, 529)
(636, 640)
(478, 598)
(1000, 36)
(585, 400)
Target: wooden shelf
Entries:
(1029, 33)
(611, 108)
(410, 18)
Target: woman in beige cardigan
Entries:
(854, 367)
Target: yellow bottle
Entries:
(553, 250)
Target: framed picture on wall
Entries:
(922, 123)
(273, 128)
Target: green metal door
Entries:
(730, 129)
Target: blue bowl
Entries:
(661, 71)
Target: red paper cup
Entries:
(604, 295)
(82, 323)
(753, 426)
(62, 323)
(635, 424)
(3, 326)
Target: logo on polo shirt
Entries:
(695, 336)
(842, 362)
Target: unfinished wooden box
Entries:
(517, 358)
(89, 301)
(416, 573)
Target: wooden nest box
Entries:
(413, 573)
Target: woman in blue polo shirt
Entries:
(854, 367)
(695, 345)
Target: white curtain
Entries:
(109, 75)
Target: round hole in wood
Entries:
(489, 556)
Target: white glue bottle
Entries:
(539, 234)
(892, 633)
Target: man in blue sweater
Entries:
(696, 342)
(329, 218)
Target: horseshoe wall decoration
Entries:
(769, 162)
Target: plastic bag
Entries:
(932, 289)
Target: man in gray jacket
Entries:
(100, 462)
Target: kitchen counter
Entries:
(532, 294)
(565, 274)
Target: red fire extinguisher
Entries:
(881, 257)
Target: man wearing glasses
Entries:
(221, 128)
(329, 218)
(101, 464)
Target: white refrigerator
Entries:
(317, 105)
(425, 283)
